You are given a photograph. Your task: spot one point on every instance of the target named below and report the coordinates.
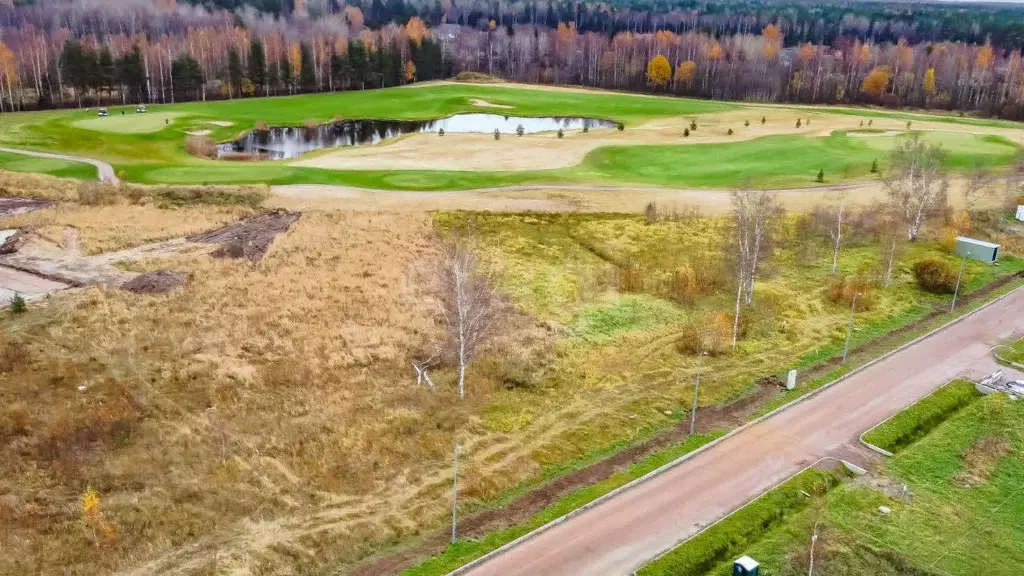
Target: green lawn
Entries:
(966, 485)
(51, 166)
(150, 148)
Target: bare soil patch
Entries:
(12, 206)
(15, 241)
(156, 282)
(249, 238)
(980, 461)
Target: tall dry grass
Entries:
(106, 228)
(279, 390)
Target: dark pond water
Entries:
(279, 143)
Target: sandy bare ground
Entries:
(561, 198)
(624, 532)
(29, 286)
(486, 103)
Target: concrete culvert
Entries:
(158, 282)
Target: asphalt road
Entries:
(105, 171)
(623, 533)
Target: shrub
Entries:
(711, 334)
(651, 213)
(561, 134)
(586, 128)
(870, 122)
(693, 125)
(251, 196)
(686, 132)
(18, 304)
(520, 130)
(440, 132)
(261, 127)
(97, 194)
(631, 278)
(840, 290)
(201, 146)
(797, 122)
(497, 134)
(908, 124)
(874, 166)
(621, 127)
(763, 120)
(821, 176)
(917, 420)
(729, 133)
(861, 123)
(746, 122)
(935, 276)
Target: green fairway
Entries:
(127, 123)
(149, 148)
(51, 166)
(779, 161)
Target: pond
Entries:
(281, 143)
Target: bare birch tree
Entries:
(890, 228)
(916, 183)
(979, 184)
(469, 306)
(837, 211)
(754, 215)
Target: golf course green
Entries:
(150, 148)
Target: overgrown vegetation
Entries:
(919, 419)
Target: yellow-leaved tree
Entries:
(877, 80)
(928, 84)
(659, 71)
(685, 71)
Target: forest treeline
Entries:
(56, 53)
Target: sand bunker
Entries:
(198, 132)
(221, 123)
(486, 104)
(249, 238)
(854, 134)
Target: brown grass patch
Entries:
(981, 459)
(201, 146)
(117, 227)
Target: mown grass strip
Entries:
(464, 551)
(921, 417)
(734, 534)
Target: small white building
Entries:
(1020, 213)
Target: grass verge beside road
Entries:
(920, 418)
(734, 533)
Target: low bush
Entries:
(97, 194)
(251, 196)
(200, 146)
(935, 276)
(18, 304)
(711, 334)
(920, 418)
(735, 533)
(840, 290)
(631, 278)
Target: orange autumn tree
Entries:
(685, 71)
(928, 84)
(659, 71)
(877, 80)
(772, 37)
(410, 71)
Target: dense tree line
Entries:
(164, 52)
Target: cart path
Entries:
(104, 170)
(621, 534)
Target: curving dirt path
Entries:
(104, 170)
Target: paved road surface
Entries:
(621, 534)
(104, 170)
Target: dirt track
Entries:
(547, 198)
(621, 534)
